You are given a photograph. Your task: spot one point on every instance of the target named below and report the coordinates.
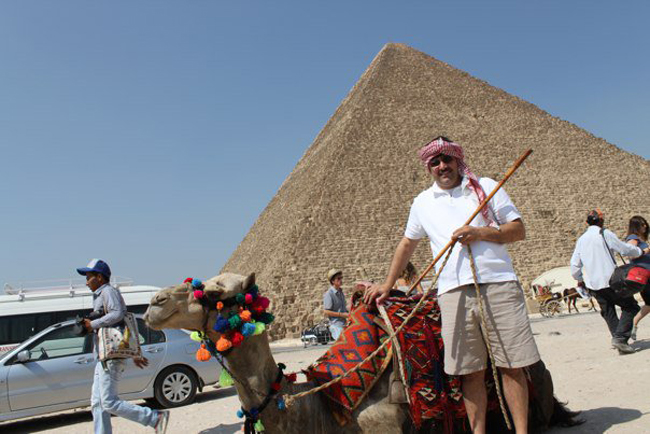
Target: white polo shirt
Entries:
(437, 213)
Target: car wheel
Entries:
(175, 386)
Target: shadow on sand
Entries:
(45, 423)
(598, 420)
(224, 429)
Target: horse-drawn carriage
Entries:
(550, 303)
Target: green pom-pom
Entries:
(195, 336)
(259, 427)
(267, 318)
(225, 380)
(235, 322)
(259, 328)
(240, 298)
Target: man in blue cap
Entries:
(109, 308)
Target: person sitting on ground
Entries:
(408, 278)
(593, 254)
(334, 304)
(637, 235)
(110, 310)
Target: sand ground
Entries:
(610, 390)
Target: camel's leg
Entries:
(382, 417)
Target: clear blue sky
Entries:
(153, 133)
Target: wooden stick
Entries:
(482, 205)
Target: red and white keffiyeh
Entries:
(440, 146)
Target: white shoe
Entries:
(163, 420)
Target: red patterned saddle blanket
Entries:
(431, 393)
(357, 341)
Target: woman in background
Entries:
(637, 235)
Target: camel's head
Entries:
(177, 308)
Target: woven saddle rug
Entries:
(357, 341)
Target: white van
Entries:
(30, 307)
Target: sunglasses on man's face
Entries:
(435, 162)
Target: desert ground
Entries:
(610, 390)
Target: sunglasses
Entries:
(435, 162)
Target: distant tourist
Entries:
(334, 303)
(637, 235)
(408, 277)
(104, 400)
(437, 213)
(593, 254)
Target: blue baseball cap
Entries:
(96, 266)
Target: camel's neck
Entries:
(252, 363)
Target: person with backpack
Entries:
(594, 254)
(109, 310)
(637, 235)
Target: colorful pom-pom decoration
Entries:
(281, 404)
(291, 378)
(188, 280)
(246, 315)
(219, 305)
(237, 339)
(259, 427)
(276, 386)
(225, 380)
(248, 329)
(239, 298)
(202, 354)
(223, 344)
(221, 325)
(240, 414)
(198, 294)
(266, 318)
(248, 299)
(235, 322)
(264, 302)
(259, 310)
(196, 283)
(195, 336)
(254, 290)
(259, 328)
(254, 412)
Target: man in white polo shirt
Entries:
(437, 213)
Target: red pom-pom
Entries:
(258, 310)
(264, 302)
(188, 280)
(248, 299)
(291, 378)
(237, 339)
(276, 386)
(198, 294)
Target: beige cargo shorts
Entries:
(508, 328)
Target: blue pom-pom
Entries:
(254, 412)
(248, 329)
(221, 325)
(196, 283)
(281, 404)
(240, 414)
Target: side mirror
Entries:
(24, 356)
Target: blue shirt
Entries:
(643, 260)
(334, 300)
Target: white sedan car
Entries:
(53, 371)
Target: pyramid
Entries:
(346, 202)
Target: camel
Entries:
(252, 363)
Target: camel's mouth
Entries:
(155, 319)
